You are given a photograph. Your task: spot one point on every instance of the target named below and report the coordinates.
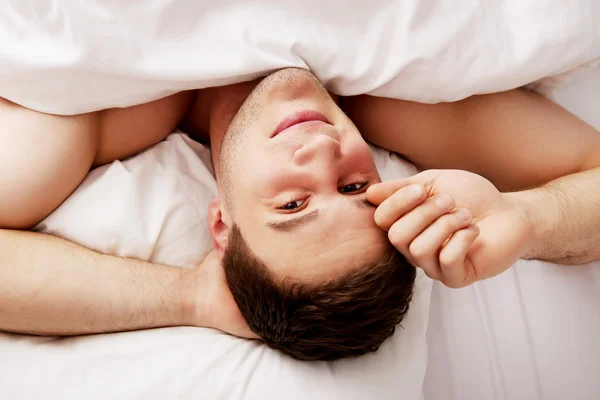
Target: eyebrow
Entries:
(290, 224)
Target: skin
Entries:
(511, 141)
(453, 236)
(319, 169)
(542, 166)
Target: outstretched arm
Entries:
(516, 139)
(52, 287)
(49, 286)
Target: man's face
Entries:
(294, 171)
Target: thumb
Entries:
(378, 193)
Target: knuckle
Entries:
(430, 211)
(454, 221)
(399, 240)
(447, 261)
(426, 214)
(379, 216)
(432, 275)
(448, 222)
(452, 284)
(398, 203)
(418, 250)
(443, 202)
(462, 217)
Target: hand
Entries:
(215, 306)
(453, 224)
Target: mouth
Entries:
(301, 117)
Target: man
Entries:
(321, 161)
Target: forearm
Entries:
(564, 216)
(49, 286)
(516, 139)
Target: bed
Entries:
(529, 333)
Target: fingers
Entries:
(453, 262)
(429, 235)
(408, 227)
(425, 248)
(378, 193)
(424, 229)
(398, 204)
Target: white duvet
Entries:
(72, 56)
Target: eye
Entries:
(353, 187)
(292, 205)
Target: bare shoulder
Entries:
(43, 158)
(127, 131)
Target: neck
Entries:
(212, 113)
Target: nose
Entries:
(321, 148)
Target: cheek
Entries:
(358, 155)
(262, 174)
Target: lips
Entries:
(299, 118)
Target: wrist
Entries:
(189, 304)
(532, 207)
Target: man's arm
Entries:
(565, 218)
(517, 140)
(49, 286)
(52, 287)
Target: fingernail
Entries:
(416, 191)
(463, 214)
(444, 201)
(473, 228)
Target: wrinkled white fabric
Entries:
(73, 56)
(530, 333)
(154, 207)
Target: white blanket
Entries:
(76, 56)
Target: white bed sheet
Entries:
(154, 207)
(530, 333)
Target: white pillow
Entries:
(154, 207)
(77, 56)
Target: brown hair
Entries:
(349, 316)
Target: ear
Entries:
(219, 230)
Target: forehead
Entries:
(326, 248)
